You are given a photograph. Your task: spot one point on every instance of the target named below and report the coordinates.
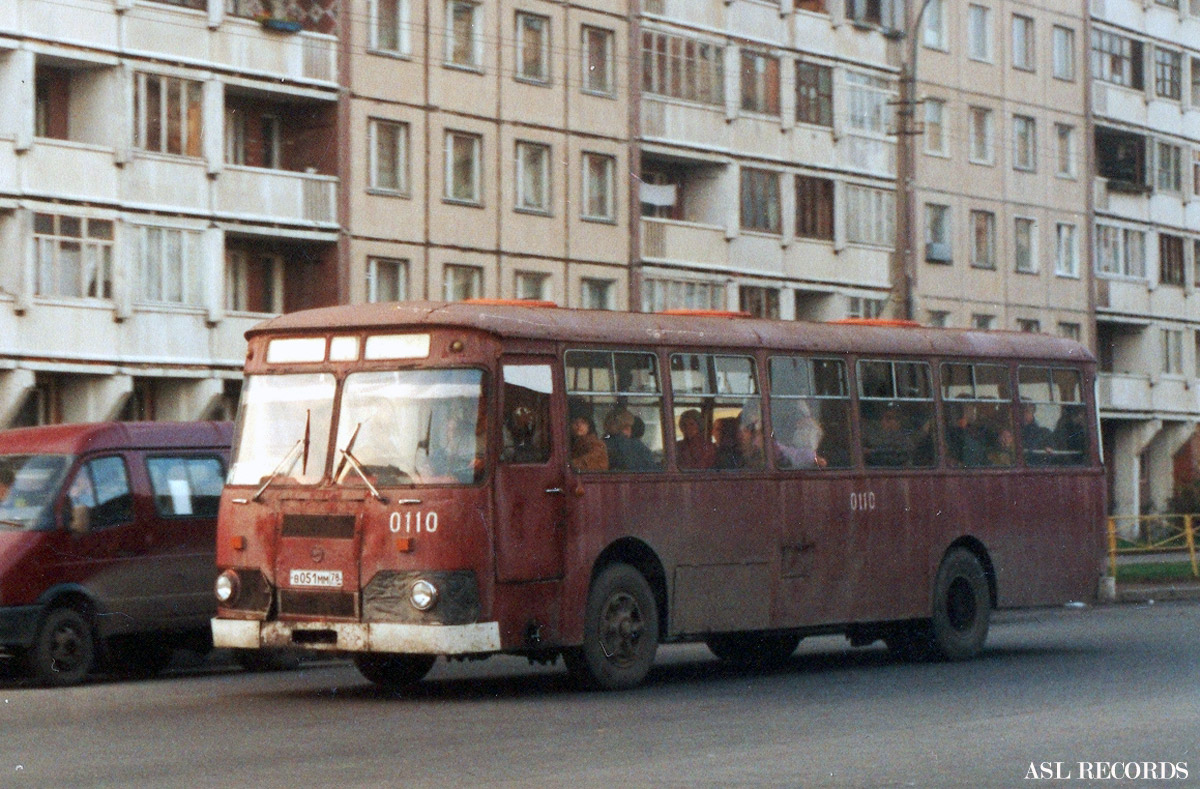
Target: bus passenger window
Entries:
(527, 390)
(617, 395)
(721, 391)
(810, 412)
(979, 429)
(1054, 430)
(896, 410)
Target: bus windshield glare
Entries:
(28, 484)
(276, 416)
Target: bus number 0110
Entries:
(413, 522)
(861, 502)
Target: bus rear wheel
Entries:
(961, 607)
(394, 672)
(753, 649)
(620, 631)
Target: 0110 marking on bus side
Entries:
(413, 522)
(861, 502)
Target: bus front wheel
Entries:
(620, 634)
(961, 606)
(394, 672)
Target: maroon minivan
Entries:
(107, 535)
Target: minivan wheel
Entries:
(63, 652)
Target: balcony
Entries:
(166, 182)
(247, 47)
(93, 176)
(260, 195)
(1124, 392)
(8, 166)
(665, 240)
(86, 23)
(672, 121)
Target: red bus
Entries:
(463, 479)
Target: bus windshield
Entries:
(28, 484)
(283, 421)
(412, 427)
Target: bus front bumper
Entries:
(480, 637)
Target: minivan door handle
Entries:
(555, 491)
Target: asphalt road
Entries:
(1054, 689)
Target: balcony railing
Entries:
(669, 240)
(1124, 392)
(93, 177)
(276, 196)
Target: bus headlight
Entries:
(227, 587)
(423, 595)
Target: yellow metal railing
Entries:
(1143, 534)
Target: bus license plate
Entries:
(331, 578)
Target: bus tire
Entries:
(64, 649)
(753, 649)
(620, 632)
(961, 607)
(394, 672)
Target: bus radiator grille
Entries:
(322, 604)
(336, 527)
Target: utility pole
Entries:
(904, 256)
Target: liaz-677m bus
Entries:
(464, 479)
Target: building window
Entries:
(533, 177)
(1120, 251)
(598, 61)
(979, 33)
(1022, 42)
(981, 135)
(599, 199)
(1168, 73)
(1025, 245)
(938, 319)
(860, 307)
(388, 151)
(73, 256)
(1116, 59)
(1065, 137)
(871, 12)
(760, 83)
(759, 302)
(1066, 251)
(1029, 325)
(1072, 331)
(464, 34)
(253, 138)
(982, 322)
(814, 207)
(870, 99)
(682, 68)
(597, 294)
(1196, 171)
(462, 282)
(870, 216)
(168, 115)
(532, 285)
(533, 48)
(1196, 265)
(389, 26)
(760, 200)
(253, 282)
(1122, 157)
(1168, 167)
(1024, 143)
(1172, 352)
(934, 34)
(983, 239)
(1064, 53)
(814, 94)
(671, 294)
(463, 164)
(169, 262)
(1195, 81)
(816, 6)
(937, 233)
(387, 279)
(1170, 259)
(935, 126)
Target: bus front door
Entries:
(530, 481)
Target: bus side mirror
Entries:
(81, 519)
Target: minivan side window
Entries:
(101, 486)
(186, 486)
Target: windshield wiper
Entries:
(302, 444)
(349, 459)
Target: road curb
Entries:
(1147, 593)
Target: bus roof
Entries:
(601, 327)
(71, 439)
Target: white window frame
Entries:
(1066, 250)
(457, 275)
(376, 175)
(93, 265)
(538, 155)
(531, 285)
(183, 286)
(1024, 53)
(474, 179)
(542, 77)
(1030, 264)
(603, 209)
(870, 215)
(399, 267)
(1064, 52)
(933, 33)
(937, 223)
(935, 127)
(1024, 136)
(606, 84)
(979, 34)
(401, 23)
(1172, 351)
(1168, 166)
(597, 294)
(666, 293)
(1064, 135)
(988, 218)
(474, 61)
(1116, 257)
(237, 262)
(981, 123)
(189, 89)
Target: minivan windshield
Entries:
(28, 484)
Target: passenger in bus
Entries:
(695, 450)
(588, 452)
(452, 458)
(625, 453)
(521, 444)
(1070, 435)
(800, 451)
(1005, 451)
(1035, 438)
(886, 441)
(728, 454)
(751, 439)
(967, 439)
